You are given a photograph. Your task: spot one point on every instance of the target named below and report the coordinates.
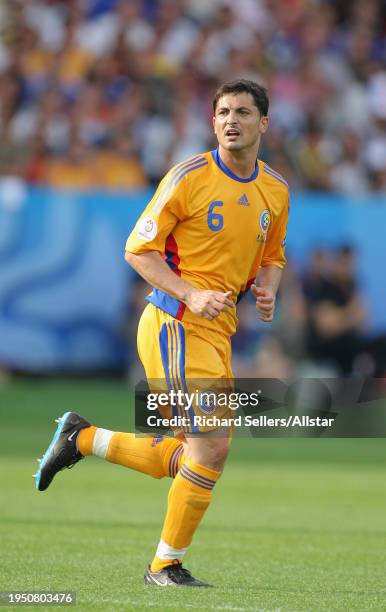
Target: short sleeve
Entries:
(274, 251)
(167, 207)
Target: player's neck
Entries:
(241, 163)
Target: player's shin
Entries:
(157, 456)
(188, 500)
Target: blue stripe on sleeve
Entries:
(181, 176)
(167, 187)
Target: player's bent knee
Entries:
(212, 455)
(222, 449)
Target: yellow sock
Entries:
(85, 440)
(189, 497)
(157, 456)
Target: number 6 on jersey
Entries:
(215, 220)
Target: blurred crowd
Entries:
(320, 327)
(110, 93)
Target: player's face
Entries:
(237, 122)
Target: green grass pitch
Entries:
(296, 524)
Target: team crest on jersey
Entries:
(265, 220)
(147, 229)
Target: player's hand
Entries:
(207, 303)
(265, 302)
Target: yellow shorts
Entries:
(184, 356)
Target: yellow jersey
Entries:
(215, 230)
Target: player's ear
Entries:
(264, 123)
(214, 124)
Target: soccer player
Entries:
(215, 228)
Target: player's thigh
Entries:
(208, 376)
(168, 348)
(207, 354)
(148, 342)
(185, 358)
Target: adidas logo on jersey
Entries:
(243, 200)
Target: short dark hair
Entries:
(258, 93)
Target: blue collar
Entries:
(225, 169)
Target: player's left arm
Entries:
(265, 289)
(273, 261)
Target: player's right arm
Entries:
(203, 302)
(146, 245)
